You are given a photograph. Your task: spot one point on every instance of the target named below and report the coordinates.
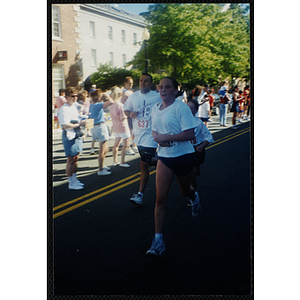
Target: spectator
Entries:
(128, 84)
(172, 128)
(235, 107)
(204, 110)
(100, 131)
(69, 120)
(247, 101)
(138, 106)
(120, 127)
(60, 100)
(224, 100)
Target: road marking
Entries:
(95, 192)
(62, 212)
(98, 196)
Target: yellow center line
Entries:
(95, 192)
(62, 212)
(97, 197)
(226, 140)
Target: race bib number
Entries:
(173, 144)
(143, 124)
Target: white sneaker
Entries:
(79, 182)
(116, 164)
(195, 206)
(136, 199)
(135, 149)
(106, 168)
(92, 151)
(74, 185)
(103, 172)
(130, 152)
(240, 121)
(124, 165)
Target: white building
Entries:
(108, 34)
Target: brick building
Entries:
(65, 46)
(86, 35)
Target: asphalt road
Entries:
(100, 238)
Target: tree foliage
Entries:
(107, 77)
(197, 42)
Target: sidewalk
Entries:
(213, 126)
(88, 164)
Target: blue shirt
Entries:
(97, 112)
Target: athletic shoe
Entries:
(135, 149)
(130, 152)
(234, 127)
(116, 164)
(92, 151)
(195, 206)
(103, 172)
(106, 168)
(74, 185)
(157, 248)
(124, 165)
(240, 121)
(79, 182)
(136, 199)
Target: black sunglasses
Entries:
(73, 96)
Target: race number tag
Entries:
(173, 144)
(143, 124)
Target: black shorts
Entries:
(181, 165)
(146, 153)
(199, 156)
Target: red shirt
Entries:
(211, 101)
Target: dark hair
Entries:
(195, 102)
(61, 91)
(197, 91)
(95, 95)
(70, 90)
(151, 79)
(174, 81)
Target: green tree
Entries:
(197, 42)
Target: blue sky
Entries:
(135, 7)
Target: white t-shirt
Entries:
(201, 133)
(204, 110)
(142, 104)
(67, 113)
(174, 119)
(181, 97)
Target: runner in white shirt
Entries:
(202, 139)
(172, 128)
(138, 107)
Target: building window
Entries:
(92, 29)
(56, 27)
(134, 38)
(94, 57)
(124, 59)
(58, 77)
(123, 36)
(110, 33)
(111, 59)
